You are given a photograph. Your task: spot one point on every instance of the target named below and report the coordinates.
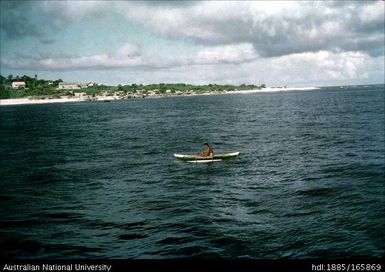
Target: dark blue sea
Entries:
(99, 180)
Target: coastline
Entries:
(32, 101)
(27, 101)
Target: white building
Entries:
(18, 85)
(68, 86)
(80, 94)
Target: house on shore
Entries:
(18, 85)
(80, 95)
(68, 86)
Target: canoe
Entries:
(216, 157)
(204, 161)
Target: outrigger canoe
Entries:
(198, 158)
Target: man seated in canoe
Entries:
(208, 152)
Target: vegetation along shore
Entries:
(31, 90)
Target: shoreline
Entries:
(34, 101)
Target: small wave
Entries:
(303, 213)
(71, 251)
(191, 251)
(132, 236)
(19, 223)
(369, 171)
(173, 240)
(65, 216)
(261, 211)
(317, 192)
(223, 241)
(209, 255)
(129, 226)
(152, 152)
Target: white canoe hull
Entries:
(205, 161)
(216, 157)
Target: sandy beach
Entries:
(278, 89)
(274, 89)
(24, 101)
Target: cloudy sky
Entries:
(293, 43)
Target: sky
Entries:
(288, 43)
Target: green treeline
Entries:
(34, 87)
(49, 88)
(182, 87)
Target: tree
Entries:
(162, 88)
(4, 93)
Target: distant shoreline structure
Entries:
(20, 90)
(280, 89)
(107, 97)
(32, 100)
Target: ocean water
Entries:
(99, 180)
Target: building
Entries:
(18, 85)
(68, 86)
(80, 95)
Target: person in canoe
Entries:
(208, 152)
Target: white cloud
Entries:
(126, 56)
(372, 13)
(130, 56)
(321, 69)
(274, 28)
(75, 10)
(226, 54)
(127, 51)
(322, 66)
(230, 64)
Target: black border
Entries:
(200, 265)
